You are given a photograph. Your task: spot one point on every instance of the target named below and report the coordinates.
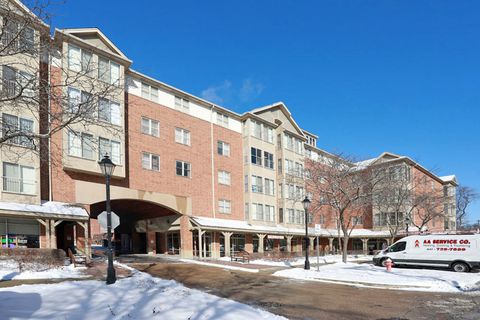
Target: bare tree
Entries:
(344, 187)
(41, 94)
(426, 206)
(465, 196)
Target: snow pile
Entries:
(313, 260)
(138, 297)
(9, 271)
(404, 279)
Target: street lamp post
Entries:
(306, 205)
(407, 222)
(107, 167)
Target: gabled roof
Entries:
(278, 105)
(22, 7)
(80, 33)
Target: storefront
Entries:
(19, 233)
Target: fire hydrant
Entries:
(388, 264)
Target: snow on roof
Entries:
(448, 178)
(278, 229)
(47, 208)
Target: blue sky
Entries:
(366, 76)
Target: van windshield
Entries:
(399, 246)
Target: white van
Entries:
(459, 252)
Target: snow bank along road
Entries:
(138, 297)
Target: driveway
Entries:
(296, 299)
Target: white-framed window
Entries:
(108, 71)
(267, 133)
(150, 161)
(78, 99)
(299, 192)
(182, 136)
(257, 184)
(109, 111)
(224, 206)
(269, 187)
(357, 221)
(256, 129)
(268, 157)
(298, 169)
(289, 166)
(80, 145)
(256, 156)
(182, 104)
(183, 168)
(149, 92)
(12, 124)
(222, 119)
(321, 220)
(269, 213)
(291, 216)
(110, 148)
(224, 177)
(300, 217)
(15, 82)
(79, 59)
(150, 127)
(18, 178)
(257, 211)
(223, 148)
(291, 191)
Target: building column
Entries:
(330, 245)
(249, 242)
(312, 244)
(53, 234)
(365, 245)
(87, 250)
(201, 247)
(215, 245)
(226, 243)
(186, 239)
(261, 237)
(46, 224)
(151, 239)
(289, 243)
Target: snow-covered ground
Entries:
(9, 271)
(140, 296)
(217, 265)
(313, 260)
(399, 278)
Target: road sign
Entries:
(318, 228)
(102, 220)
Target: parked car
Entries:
(458, 252)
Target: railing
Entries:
(18, 185)
(9, 87)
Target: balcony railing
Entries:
(18, 185)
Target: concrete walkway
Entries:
(313, 300)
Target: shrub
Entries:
(34, 259)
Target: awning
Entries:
(244, 226)
(48, 209)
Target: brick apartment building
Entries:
(191, 177)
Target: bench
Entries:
(242, 256)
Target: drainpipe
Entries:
(50, 192)
(213, 161)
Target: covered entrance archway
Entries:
(145, 227)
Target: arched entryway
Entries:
(145, 227)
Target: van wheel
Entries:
(460, 267)
(383, 262)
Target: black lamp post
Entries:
(306, 205)
(407, 222)
(107, 167)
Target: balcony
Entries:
(17, 185)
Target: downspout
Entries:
(212, 161)
(49, 70)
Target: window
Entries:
(288, 141)
(13, 124)
(289, 166)
(150, 127)
(79, 101)
(257, 185)
(79, 59)
(149, 92)
(110, 148)
(291, 215)
(150, 161)
(280, 215)
(256, 129)
(224, 177)
(246, 183)
(224, 206)
(300, 217)
(183, 168)
(357, 221)
(321, 219)
(397, 247)
(18, 178)
(182, 136)
(269, 213)
(291, 191)
(182, 104)
(222, 119)
(269, 187)
(257, 211)
(299, 192)
(80, 145)
(108, 71)
(256, 156)
(15, 82)
(298, 169)
(247, 211)
(223, 148)
(108, 111)
(10, 34)
(267, 134)
(268, 159)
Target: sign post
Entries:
(318, 229)
(102, 220)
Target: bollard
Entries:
(388, 264)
